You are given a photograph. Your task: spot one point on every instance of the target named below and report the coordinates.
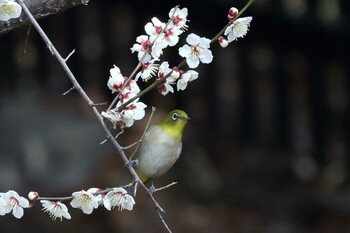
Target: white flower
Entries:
(165, 87)
(134, 111)
(185, 78)
(116, 82)
(142, 48)
(120, 198)
(13, 202)
(55, 209)
(197, 51)
(9, 10)
(116, 79)
(157, 47)
(171, 36)
(154, 29)
(2, 204)
(85, 200)
(131, 86)
(147, 70)
(238, 28)
(179, 18)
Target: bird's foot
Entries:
(131, 163)
(152, 189)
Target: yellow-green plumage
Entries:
(161, 146)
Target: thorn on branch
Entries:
(98, 104)
(103, 142)
(70, 89)
(69, 55)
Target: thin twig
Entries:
(69, 55)
(165, 187)
(163, 221)
(69, 90)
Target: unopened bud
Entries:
(223, 42)
(33, 196)
(176, 73)
(232, 13)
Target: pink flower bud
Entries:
(223, 42)
(232, 13)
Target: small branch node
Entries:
(51, 48)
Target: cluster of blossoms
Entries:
(9, 9)
(161, 35)
(149, 48)
(126, 89)
(87, 201)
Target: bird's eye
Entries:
(175, 116)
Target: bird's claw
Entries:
(152, 189)
(131, 163)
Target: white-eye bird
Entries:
(161, 146)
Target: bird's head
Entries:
(174, 123)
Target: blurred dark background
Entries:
(265, 151)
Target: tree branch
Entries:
(39, 9)
(80, 90)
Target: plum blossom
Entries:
(238, 28)
(197, 50)
(55, 209)
(9, 9)
(185, 78)
(154, 29)
(147, 70)
(133, 111)
(116, 82)
(178, 18)
(120, 198)
(142, 47)
(165, 86)
(11, 201)
(86, 200)
(2, 204)
(171, 36)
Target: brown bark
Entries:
(39, 9)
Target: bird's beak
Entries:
(187, 118)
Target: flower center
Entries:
(196, 50)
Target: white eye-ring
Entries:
(175, 116)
